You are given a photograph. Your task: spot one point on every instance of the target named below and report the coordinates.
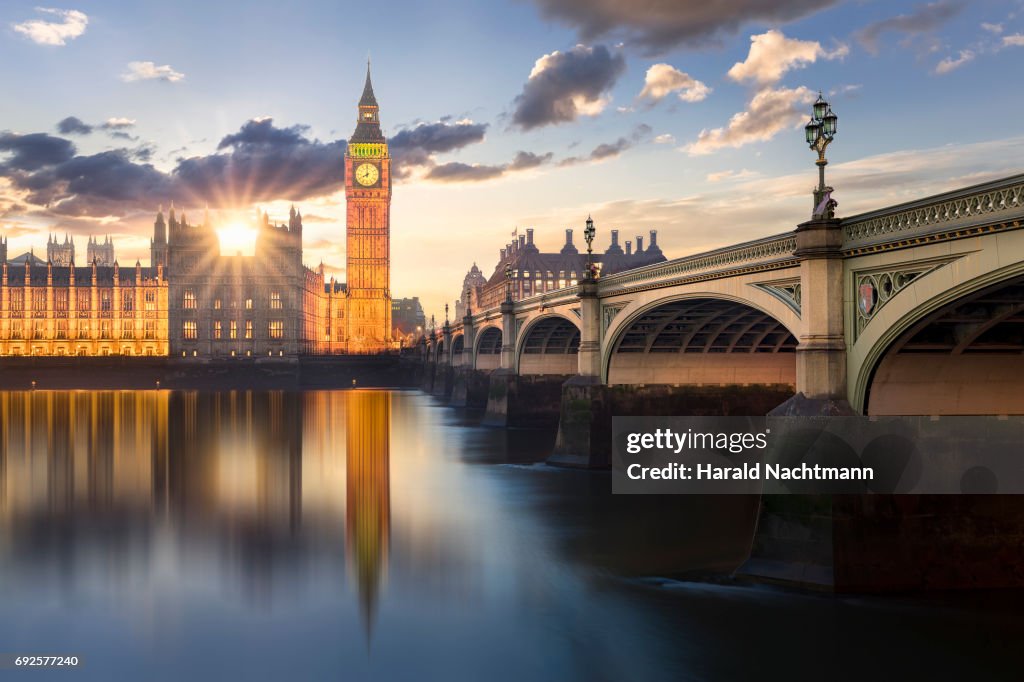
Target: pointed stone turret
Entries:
(368, 123)
(368, 99)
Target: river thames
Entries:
(375, 535)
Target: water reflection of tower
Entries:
(368, 499)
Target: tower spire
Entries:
(368, 99)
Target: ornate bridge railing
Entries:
(997, 204)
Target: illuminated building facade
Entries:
(368, 230)
(48, 309)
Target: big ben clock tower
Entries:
(368, 230)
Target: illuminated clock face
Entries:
(367, 174)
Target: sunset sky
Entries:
(680, 117)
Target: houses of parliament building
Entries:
(194, 302)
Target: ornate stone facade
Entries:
(535, 273)
(94, 310)
(234, 306)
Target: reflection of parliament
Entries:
(192, 302)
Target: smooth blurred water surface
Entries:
(374, 535)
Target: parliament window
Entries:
(150, 329)
(216, 304)
(233, 329)
(128, 301)
(150, 301)
(190, 329)
(217, 329)
(248, 329)
(84, 301)
(189, 301)
(105, 300)
(275, 300)
(17, 300)
(277, 329)
(248, 304)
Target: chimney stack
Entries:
(654, 251)
(522, 240)
(503, 255)
(629, 248)
(639, 244)
(614, 249)
(568, 248)
(529, 236)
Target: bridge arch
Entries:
(458, 346)
(701, 339)
(958, 352)
(549, 344)
(488, 348)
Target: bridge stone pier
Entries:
(911, 309)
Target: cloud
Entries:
(118, 123)
(950, 63)
(456, 171)
(923, 19)
(527, 160)
(665, 138)
(994, 29)
(33, 151)
(1015, 40)
(772, 54)
(664, 79)
(72, 125)
(69, 25)
(417, 146)
(259, 163)
(769, 112)
(262, 162)
(607, 150)
(656, 25)
(149, 71)
(565, 85)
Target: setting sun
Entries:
(237, 238)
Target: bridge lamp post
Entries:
(819, 132)
(508, 282)
(588, 235)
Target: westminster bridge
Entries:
(915, 309)
(912, 309)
